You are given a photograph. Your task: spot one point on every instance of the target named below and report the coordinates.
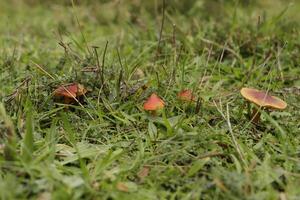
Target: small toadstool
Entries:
(154, 103)
(263, 100)
(186, 95)
(69, 92)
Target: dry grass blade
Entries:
(234, 141)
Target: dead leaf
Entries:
(44, 196)
(138, 74)
(144, 172)
(127, 186)
(220, 185)
(122, 187)
(90, 69)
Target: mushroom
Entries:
(69, 92)
(263, 100)
(186, 95)
(154, 103)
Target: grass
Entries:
(108, 147)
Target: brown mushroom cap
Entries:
(154, 103)
(70, 90)
(186, 95)
(262, 99)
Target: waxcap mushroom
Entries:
(153, 103)
(186, 95)
(70, 90)
(263, 99)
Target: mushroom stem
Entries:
(153, 113)
(255, 116)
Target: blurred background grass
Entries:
(205, 8)
(190, 16)
(34, 27)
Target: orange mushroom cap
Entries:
(186, 95)
(154, 102)
(262, 99)
(70, 90)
